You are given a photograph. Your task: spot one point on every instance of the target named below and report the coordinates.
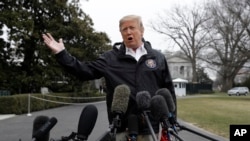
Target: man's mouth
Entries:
(130, 38)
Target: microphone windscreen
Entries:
(41, 127)
(120, 99)
(38, 122)
(168, 98)
(158, 107)
(132, 124)
(87, 121)
(143, 100)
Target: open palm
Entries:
(52, 43)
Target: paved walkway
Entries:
(2, 117)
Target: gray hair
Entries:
(129, 18)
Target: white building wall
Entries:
(175, 65)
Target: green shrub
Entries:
(18, 104)
(7, 105)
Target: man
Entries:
(132, 62)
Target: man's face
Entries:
(132, 34)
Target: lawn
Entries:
(215, 112)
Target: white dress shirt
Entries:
(136, 53)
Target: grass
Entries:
(215, 112)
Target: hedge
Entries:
(18, 104)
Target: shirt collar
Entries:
(140, 51)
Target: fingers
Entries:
(45, 38)
(52, 44)
(48, 38)
(49, 35)
(60, 40)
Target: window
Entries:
(182, 70)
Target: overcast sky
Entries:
(107, 13)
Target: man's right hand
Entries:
(55, 46)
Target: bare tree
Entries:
(183, 26)
(240, 10)
(230, 41)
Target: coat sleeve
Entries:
(169, 84)
(81, 69)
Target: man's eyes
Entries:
(128, 28)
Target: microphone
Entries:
(143, 102)
(120, 99)
(168, 98)
(170, 103)
(132, 127)
(86, 122)
(38, 122)
(41, 127)
(119, 106)
(160, 111)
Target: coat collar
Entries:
(121, 49)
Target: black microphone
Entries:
(132, 127)
(86, 122)
(119, 106)
(143, 99)
(41, 127)
(170, 103)
(38, 122)
(168, 98)
(160, 111)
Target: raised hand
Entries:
(55, 46)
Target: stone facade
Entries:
(179, 66)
